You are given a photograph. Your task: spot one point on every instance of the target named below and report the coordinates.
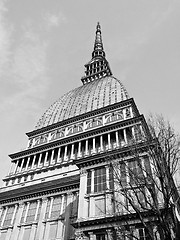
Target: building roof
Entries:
(94, 95)
(99, 90)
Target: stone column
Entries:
(94, 145)
(133, 134)
(91, 200)
(37, 209)
(117, 139)
(34, 158)
(131, 111)
(27, 164)
(15, 169)
(86, 148)
(4, 216)
(41, 225)
(82, 193)
(50, 208)
(27, 209)
(58, 156)
(14, 214)
(52, 157)
(92, 181)
(125, 136)
(45, 160)
(107, 177)
(39, 160)
(17, 229)
(79, 150)
(101, 143)
(60, 222)
(65, 153)
(109, 141)
(72, 151)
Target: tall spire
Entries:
(98, 45)
(98, 66)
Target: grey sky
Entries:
(44, 45)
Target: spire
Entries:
(98, 45)
(98, 66)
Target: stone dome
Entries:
(95, 95)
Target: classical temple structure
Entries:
(61, 186)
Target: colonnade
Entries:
(83, 148)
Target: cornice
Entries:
(40, 189)
(77, 137)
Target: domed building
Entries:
(62, 185)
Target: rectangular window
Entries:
(23, 213)
(100, 179)
(9, 215)
(56, 207)
(135, 171)
(31, 211)
(123, 176)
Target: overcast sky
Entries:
(44, 45)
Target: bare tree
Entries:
(143, 181)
